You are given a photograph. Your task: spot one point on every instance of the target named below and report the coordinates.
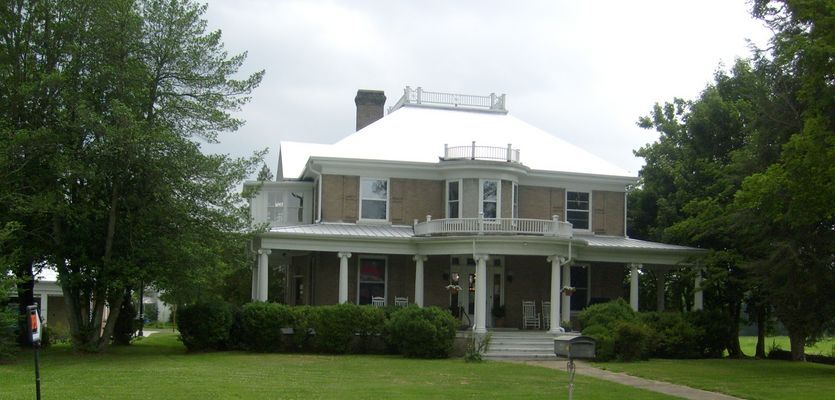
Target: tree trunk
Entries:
(798, 344)
(25, 297)
(734, 350)
(110, 325)
(761, 325)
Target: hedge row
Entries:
(338, 329)
(626, 335)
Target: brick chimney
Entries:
(369, 106)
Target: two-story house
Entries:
(447, 191)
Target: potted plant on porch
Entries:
(499, 313)
(568, 290)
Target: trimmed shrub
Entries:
(335, 327)
(632, 341)
(303, 321)
(599, 322)
(607, 314)
(422, 332)
(205, 326)
(674, 336)
(604, 342)
(261, 324)
(370, 323)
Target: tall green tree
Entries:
(691, 175)
(791, 203)
(746, 170)
(126, 196)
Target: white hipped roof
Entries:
(418, 134)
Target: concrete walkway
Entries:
(683, 392)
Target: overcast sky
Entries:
(581, 70)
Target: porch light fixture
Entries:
(509, 276)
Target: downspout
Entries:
(318, 192)
(625, 208)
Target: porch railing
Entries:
(493, 226)
(491, 102)
(473, 152)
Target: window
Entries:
(275, 207)
(490, 198)
(577, 209)
(285, 208)
(372, 279)
(374, 198)
(515, 209)
(453, 199)
(580, 282)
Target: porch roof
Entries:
(348, 229)
(629, 243)
(400, 239)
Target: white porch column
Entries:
(556, 291)
(263, 273)
(343, 276)
(698, 294)
(566, 300)
(255, 282)
(633, 285)
(481, 293)
(419, 259)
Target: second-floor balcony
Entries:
(493, 226)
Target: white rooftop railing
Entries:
(495, 226)
(473, 152)
(491, 102)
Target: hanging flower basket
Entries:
(453, 289)
(568, 290)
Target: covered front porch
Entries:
(339, 263)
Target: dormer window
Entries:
(577, 208)
(490, 198)
(374, 199)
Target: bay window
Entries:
(490, 198)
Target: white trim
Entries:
(385, 278)
(460, 196)
(514, 201)
(467, 169)
(591, 207)
(498, 196)
(388, 200)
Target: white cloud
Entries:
(584, 71)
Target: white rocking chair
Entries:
(401, 301)
(529, 316)
(378, 301)
(546, 314)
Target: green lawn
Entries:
(749, 345)
(158, 368)
(750, 379)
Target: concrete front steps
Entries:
(520, 345)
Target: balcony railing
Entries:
(493, 226)
(473, 152)
(491, 102)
